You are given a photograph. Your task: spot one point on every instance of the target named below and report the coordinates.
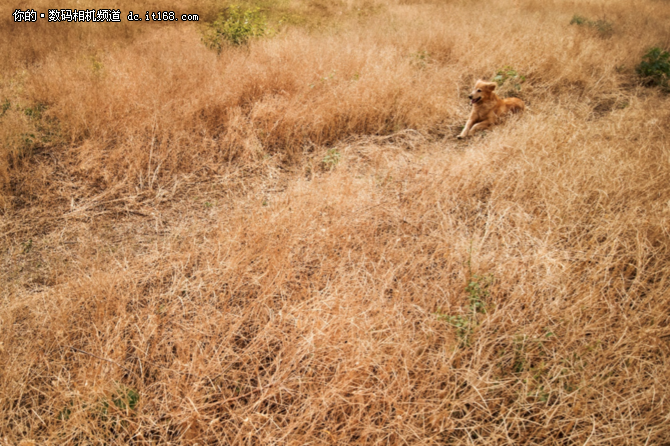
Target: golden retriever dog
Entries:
(488, 108)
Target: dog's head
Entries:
(482, 91)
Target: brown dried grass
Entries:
(179, 235)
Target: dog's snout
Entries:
(470, 97)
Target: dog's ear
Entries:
(491, 86)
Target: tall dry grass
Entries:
(183, 106)
(283, 243)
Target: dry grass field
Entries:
(283, 243)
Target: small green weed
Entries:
(420, 59)
(27, 246)
(33, 129)
(508, 73)
(508, 76)
(655, 68)
(462, 324)
(477, 290)
(331, 159)
(64, 414)
(96, 66)
(541, 394)
(579, 20)
(603, 27)
(126, 398)
(519, 363)
(235, 26)
(35, 112)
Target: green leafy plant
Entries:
(96, 66)
(6, 105)
(33, 129)
(420, 59)
(578, 20)
(477, 290)
(655, 68)
(462, 324)
(510, 76)
(35, 112)
(331, 159)
(235, 26)
(603, 27)
(64, 414)
(126, 398)
(27, 246)
(540, 394)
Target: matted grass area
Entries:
(282, 242)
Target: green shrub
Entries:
(579, 20)
(509, 75)
(331, 159)
(655, 68)
(235, 26)
(603, 27)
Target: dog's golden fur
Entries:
(488, 108)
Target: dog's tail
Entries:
(515, 105)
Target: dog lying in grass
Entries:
(488, 108)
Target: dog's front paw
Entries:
(461, 136)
